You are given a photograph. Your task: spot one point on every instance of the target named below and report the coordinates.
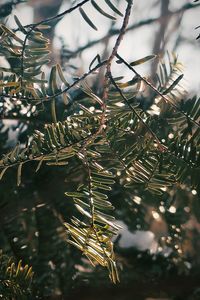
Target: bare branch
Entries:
(142, 23)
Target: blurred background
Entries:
(155, 27)
(158, 247)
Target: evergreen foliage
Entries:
(130, 139)
(15, 279)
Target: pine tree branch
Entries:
(33, 26)
(160, 144)
(111, 57)
(167, 100)
(48, 98)
(108, 70)
(40, 157)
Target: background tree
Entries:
(96, 133)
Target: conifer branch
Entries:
(167, 100)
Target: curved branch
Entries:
(156, 90)
(33, 26)
(48, 98)
(142, 23)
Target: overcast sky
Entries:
(138, 43)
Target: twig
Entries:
(160, 145)
(111, 57)
(33, 26)
(68, 11)
(107, 73)
(48, 98)
(41, 156)
(92, 208)
(156, 90)
(142, 23)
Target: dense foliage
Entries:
(131, 144)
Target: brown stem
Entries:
(108, 70)
(111, 57)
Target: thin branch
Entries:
(93, 224)
(142, 23)
(160, 145)
(91, 202)
(156, 90)
(170, 153)
(41, 156)
(33, 26)
(112, 55)
(68, 11)
(48, 98)
(108, 70)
